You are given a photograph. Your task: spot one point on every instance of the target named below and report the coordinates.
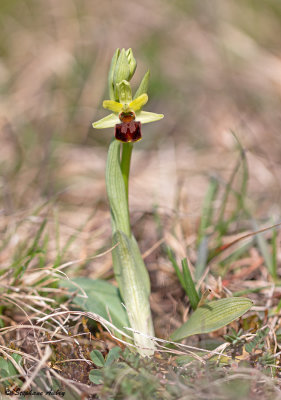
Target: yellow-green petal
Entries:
(145, 117)
(139, 102)
(112, 105)
(107, 122)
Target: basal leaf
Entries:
(113, 355)
(132, 278)
(212, 316)
(103, 299)
(96, 376)
(97, 358)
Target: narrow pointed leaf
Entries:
(212, 316)
(145, 117)
(107, 122)
(143, 87)
(176, 267)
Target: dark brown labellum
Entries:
(128, 131)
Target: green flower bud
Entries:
(132, 62)
(122, 71)
(111, 74)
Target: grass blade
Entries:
(207, 209)
(189, 285)
(202, 257)
(263, 247)
(176, 267)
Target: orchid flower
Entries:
(127, 114)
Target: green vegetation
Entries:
(197, 223)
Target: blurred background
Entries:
(215, 72)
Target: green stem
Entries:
(125, 165)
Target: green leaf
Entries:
(143, 87)
(258, 340)
(4, 374)
(113, 355)
(143, 274)
(96, 376)
(17, 358)
(189, 285)
(97, 358)
(12, 369)
(3, 364)
(212, 316)
(132, 278)
(103, 299)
